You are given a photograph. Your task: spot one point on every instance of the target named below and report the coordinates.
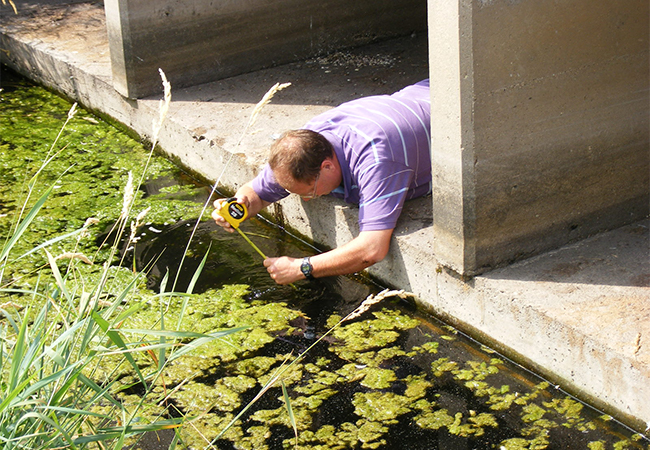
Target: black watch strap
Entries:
(306, 268)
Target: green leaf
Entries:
(198, 271)
(292, 419)
(162, 341)
(15, 392)
(47, 380)
(115, 432)
(115, 337)
(50, 242)
(175, 334)
(18, 353)
(25, 223)
(198, 342)
(58, 277)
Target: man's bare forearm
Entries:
(249, 197)
(367, 249)
(360, 253)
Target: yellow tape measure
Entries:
(233, 212)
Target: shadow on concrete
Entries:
(328, 80)
(379, 68)
(616, 258)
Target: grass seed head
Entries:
(266, 100)
(128, 197)
(374, 299)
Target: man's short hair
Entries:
(299, 154)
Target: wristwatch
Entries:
(306, 268)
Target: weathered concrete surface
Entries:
(198, 41)
(542, 112)
(579, 315)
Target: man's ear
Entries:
(327, 164)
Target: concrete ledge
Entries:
(579, 315)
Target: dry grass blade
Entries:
(16, 306)
(4, 2)
(374, 299)
(70, 255)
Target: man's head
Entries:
(299, 154)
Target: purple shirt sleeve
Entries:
(266, 187)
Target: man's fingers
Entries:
(221, 221)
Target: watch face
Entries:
(306, 268)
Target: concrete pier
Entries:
(540, 136)
(575, 303)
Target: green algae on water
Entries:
(92, 163)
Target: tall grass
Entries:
(55, 390)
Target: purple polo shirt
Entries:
(383, 145)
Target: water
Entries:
(392, 379)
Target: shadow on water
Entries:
(231, 260)
(393, 378)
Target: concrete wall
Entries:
(196, 41)
(540, 118)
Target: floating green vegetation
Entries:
(382, 379)
(383, 390)
(89, 168)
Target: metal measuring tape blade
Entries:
(234, 213)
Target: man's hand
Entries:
(361, 252)
(247, 197)
(223, 223)
(284, 270)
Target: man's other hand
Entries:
(284, 270)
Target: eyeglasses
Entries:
(313, 193)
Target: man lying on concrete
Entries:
(373, 151)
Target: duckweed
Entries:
(380, 406)
(435, 420)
